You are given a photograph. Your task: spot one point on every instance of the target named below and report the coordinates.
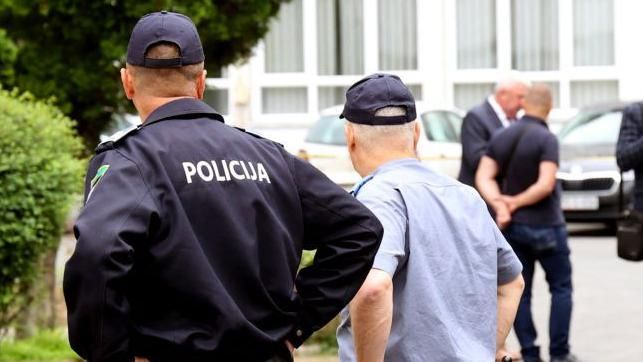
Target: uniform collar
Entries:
(532, 119)
(182, 108)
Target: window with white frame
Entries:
(494, 37)
(476, 34)
(340, 37)
(284, 53)
(217, 98)
(397, 35)
(534, 43)
(593, 32)
(284, 50)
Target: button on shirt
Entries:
(536, 144)
(445, 256)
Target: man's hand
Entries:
(511, 202)
(291, 348)
(141, 359)
(501, 354)
(503, 215)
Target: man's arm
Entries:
(543, 187)
(346, 236)
(508, 300)
(111, 225)
(510, 287)
(488, 188)
(629, 148)
(371, 314)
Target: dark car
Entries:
(588, 173)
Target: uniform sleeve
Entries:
(629, 148)
(390, 210)
(550, 149)
(346, 236)
(474, 140)
(509, 266)
(113, 223)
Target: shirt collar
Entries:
(496, 108)
(182, 108)
(394, 164)
(381, 169)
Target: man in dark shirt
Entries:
(191, 234)
(629, 149)
(517, 177)
(482, 121)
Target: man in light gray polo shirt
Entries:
(445, 285)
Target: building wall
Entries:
(449, 52)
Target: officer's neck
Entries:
(145, 105)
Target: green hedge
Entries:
(40, 171)
(45, 346)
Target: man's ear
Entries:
(128, 83)
(416, 134)
(350, 137)
(200, 84)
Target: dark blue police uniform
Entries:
(190, 240)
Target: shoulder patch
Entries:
(99, 175)
(109, 143)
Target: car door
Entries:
(439, 146)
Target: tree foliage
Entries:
(72, 49)
(39, 174)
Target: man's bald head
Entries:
(538, 101)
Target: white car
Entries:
(439, 144)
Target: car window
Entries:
(327, 130)
(593, 128)
(438, 127)
(456, 123)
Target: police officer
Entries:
(445, 285)
(192, 231)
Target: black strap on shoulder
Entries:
(503, 171)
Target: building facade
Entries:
(449, 52)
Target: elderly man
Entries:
(445, 284)
(524, 159)
(191, 235)
(483, 120)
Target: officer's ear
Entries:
(128, 83)
(200, 84)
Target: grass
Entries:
(50, 346)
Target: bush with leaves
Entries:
(72, 49)
(39, 174)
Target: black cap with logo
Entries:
(374, 92)
(165, 26)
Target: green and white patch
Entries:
(99, 175)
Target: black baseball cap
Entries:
(165, 26)
(374, 92)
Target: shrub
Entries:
(39, 173)
(46, 346)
